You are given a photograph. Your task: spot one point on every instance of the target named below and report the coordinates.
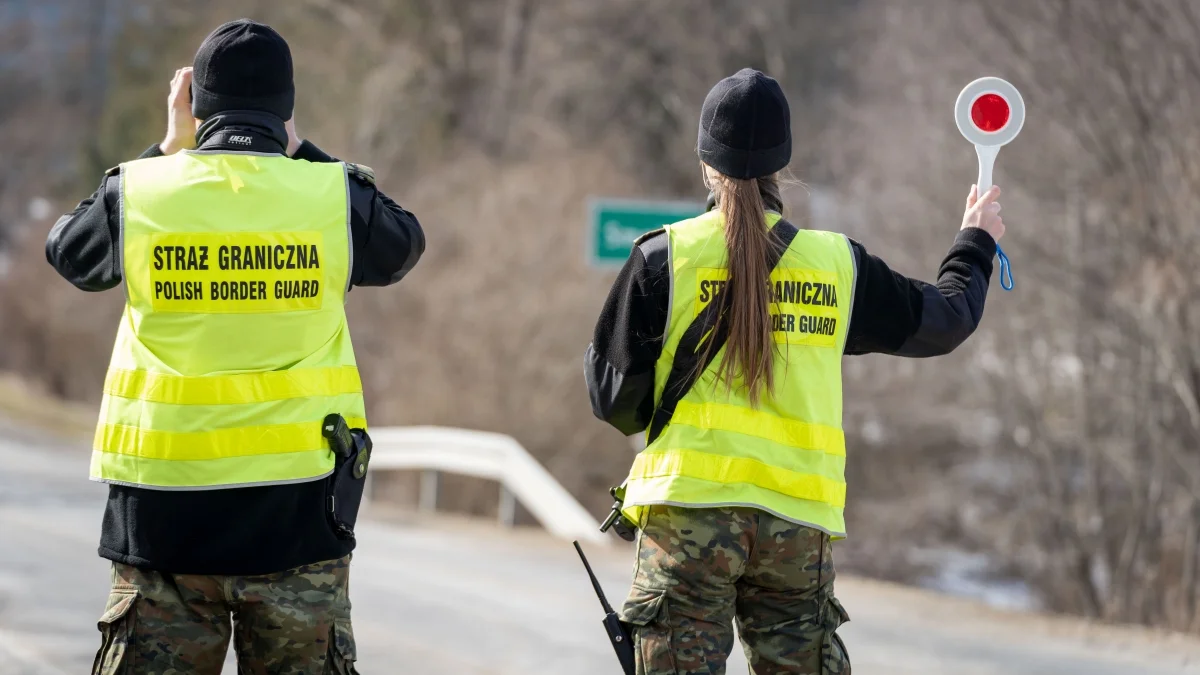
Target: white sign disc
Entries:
(989, 112)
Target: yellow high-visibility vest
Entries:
(788, 455)
(233, 346)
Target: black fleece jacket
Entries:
(892, 314)
(250, 530)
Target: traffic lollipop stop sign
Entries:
(990, 114)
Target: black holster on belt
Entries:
(344, 488)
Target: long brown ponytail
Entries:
(749, 352)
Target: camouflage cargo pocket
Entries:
(342, 653)
(646, 611)
(835, 660)
(116, 631)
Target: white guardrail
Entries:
(434, 450)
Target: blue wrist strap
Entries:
(1006, 278)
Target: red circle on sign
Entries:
(990, 112)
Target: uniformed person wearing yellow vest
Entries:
(237, 243)
(722, 338)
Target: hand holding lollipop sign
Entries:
(990, 113)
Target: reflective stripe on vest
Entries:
(788, 455)
(233, 346)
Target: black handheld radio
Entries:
(618, 630)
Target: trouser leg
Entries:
(162, 623)
(786, 610)
(682, 601)
(295, 622)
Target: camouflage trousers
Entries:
(289, 623)
(698, 570)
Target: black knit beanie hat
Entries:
(243, 65)
(745, 126)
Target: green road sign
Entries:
(615, 223)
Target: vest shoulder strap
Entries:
(692, 356)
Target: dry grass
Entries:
(24, 404)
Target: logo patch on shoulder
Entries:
(361, 172)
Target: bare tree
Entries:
(1092, 365)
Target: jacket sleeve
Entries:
(387, 240)
(894, 314)
(619, 363)
(84, 245)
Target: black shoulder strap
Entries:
(687, 367)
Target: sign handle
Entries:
(987, 159)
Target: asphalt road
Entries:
(452, 597)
